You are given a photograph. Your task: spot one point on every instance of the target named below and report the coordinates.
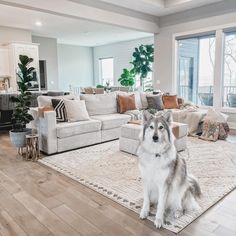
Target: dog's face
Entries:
(157, 128)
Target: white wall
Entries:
(8, 35)
(48, 52)
(122, 54)
(164, 63)
(75, 66)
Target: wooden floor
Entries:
(35, 200)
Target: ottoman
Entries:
(129, 136)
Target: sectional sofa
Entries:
(104, 124)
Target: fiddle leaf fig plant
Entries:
(127, 78)
(143, 58)
(20, 116)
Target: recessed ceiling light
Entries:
(38, 23)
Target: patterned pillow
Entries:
(60, 109)
(210, 130)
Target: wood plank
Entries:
(92, 214)
(10, 185)
(44, 215)
(134, 226)
(221, 230)
(8, 227)
(21, 216)
(76, 221)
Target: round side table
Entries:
(32, 147)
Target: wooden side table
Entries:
(32, 147)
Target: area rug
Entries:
(115, 174)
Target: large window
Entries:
(106, 71)
(195, 69)
(229, 84)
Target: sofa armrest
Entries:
(48, 132)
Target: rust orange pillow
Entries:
(126, 103)
(170, 101)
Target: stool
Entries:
(32, 147)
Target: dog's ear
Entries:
(147, 116)
(168, 116)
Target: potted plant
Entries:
(143, 58)
(20, 116)
(127, 78)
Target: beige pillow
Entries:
(76, 110)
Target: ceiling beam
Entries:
(79, 11)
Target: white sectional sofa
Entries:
(104, 125)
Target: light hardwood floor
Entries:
(37, 201)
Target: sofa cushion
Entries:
(137, 95)
(76, 110)
(170, 101)
(112, 121)
(60, 109)
(70, 129)
(155, 102)
(126, 103)
(100, 104)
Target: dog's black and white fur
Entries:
(165, 178)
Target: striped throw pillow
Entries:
(60, 109)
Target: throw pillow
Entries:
(76, 110)
(214, 115)
(170, 101)
(155, 102)
(210, 131)
(59, 108)
(126, 103)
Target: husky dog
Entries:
(165, 178)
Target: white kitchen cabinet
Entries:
(17, 49)
(4, 63)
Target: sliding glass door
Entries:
(195, 75)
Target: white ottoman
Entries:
(129, 137)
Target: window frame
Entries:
(219, 32)
(101, 69)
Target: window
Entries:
(229, 80)
(106, 71)
(195, 71)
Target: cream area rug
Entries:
(115, 174)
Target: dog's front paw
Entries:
(158, 222)
(178, 214)
(144, 214)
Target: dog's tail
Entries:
(194, 186)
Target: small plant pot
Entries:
(18, 138)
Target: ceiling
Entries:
(157, 7)
(66, 30)
(67, 22)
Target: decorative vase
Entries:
(18, 138)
